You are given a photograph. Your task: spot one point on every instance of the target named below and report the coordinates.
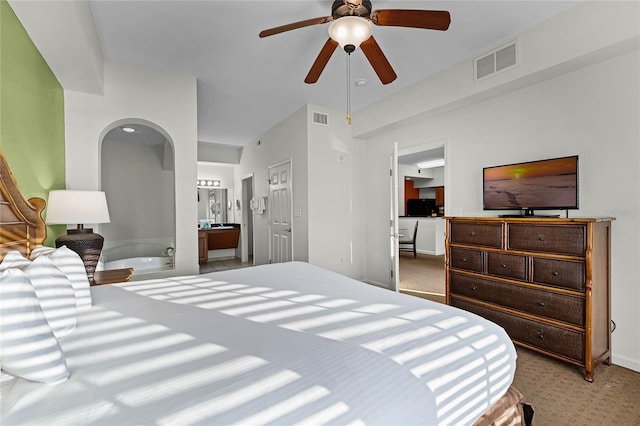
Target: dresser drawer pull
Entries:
(540, 334)
(542, 304)
(555, 273)
(474, 287)
(472, 233)
(541, 237)
(504, 265)
(464, 259)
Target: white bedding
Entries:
(275, 344)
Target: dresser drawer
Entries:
(547, 337)
(559, 273)
(507, 265)
(561, 307)
(470, 260)
(565, 239)
(477, 234)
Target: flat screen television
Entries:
(535, 185)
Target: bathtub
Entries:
(142, 265)
(143, 255)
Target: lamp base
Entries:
(87, 244)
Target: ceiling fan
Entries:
(352, 25)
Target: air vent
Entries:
(320, 118)
(499, 59)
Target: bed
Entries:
(274, 344)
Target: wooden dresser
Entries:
(546, 281)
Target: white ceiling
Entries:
(247, 84)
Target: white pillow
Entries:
(41, 250)
(56, 295)
(29, 348)
(14, 259)
(69, 262)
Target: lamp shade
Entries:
(68, 207)
(350, 30)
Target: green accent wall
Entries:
(31, 114)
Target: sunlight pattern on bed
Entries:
(213, 349)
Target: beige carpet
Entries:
(556, 390)
(422, 276)
(560, 395)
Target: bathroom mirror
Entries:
(216, 205)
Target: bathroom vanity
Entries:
(217, 238)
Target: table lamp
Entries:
(67, 207)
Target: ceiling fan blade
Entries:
(321, 61)
(294, 26)
(378, 61)
(427, 19)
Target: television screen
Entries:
(543, 185)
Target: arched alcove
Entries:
(137, 174)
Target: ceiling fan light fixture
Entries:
(350, 31)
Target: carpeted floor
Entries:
(422, 276)
(556, 390)
(560, 395)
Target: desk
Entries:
(112, 276)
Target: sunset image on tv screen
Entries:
(538, 184)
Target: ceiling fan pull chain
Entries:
(349, 88)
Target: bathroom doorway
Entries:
(137, 175)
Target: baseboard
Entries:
(377, 284)
(429, 252)
(623, 361)
(406, 290)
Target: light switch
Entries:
(297, 213)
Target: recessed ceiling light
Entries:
(128, 129)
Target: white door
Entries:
(280, 213)
(393, 220)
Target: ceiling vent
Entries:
(320, 118)
(497, 60)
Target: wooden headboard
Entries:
(21, 224)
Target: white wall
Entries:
(336, 195)
(213, 171)
(563, 43)
(66, 36)
(135, 94)
(219, 153)
(139, 191)
(285, 141)
(328, 196)
(592, 112)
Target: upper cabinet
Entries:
(439, 196)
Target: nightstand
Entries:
(112, 276)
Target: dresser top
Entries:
(550, 220)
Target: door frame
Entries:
(427, 146)
(291, 183)
(393, 220)
(245, 212)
